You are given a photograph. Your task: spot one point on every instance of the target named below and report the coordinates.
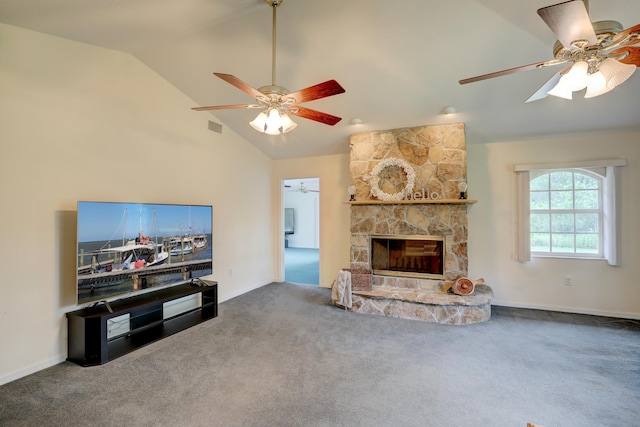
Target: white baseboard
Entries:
(12, 376)
(245, 290)
(621, 315)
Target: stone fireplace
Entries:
(438, 156)
(446, 223)
(415, 244)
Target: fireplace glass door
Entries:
(409, 256)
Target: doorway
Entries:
(301, 200)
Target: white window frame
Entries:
(600, 176)
(610, 219)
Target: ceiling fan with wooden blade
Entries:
(276, 101)
(601, 54)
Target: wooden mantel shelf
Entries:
(413, 202)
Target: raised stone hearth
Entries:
(420, 299)
(437, 154)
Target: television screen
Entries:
(123, 248)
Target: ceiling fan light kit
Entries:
(277, 102)
(598, 79)
(615, 72)
(574, 80)
(597, 85)
(598, 76)
(601, 53)
(273, 122)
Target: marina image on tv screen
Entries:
(123, 248)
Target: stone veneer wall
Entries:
(437, 154)
(438, 157)
(449, 221)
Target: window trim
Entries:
(572, 165)
(610, 212)
(600, 211)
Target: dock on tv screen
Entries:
(126, 248)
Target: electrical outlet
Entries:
(568, 281)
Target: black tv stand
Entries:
(89, 342)
(105, 303)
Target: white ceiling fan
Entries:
(600, 53)
(301, 189)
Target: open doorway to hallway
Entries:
(302, 230)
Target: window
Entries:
(567, 210)
(566, 213)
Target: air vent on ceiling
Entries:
(216, 127)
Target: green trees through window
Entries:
(566, 212)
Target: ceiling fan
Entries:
(600, 53)
(302, 189)
(276, 101)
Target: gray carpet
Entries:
(283, 356)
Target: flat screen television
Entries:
(128, 248)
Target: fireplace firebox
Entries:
(408, 256)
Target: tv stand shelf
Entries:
(89, 341)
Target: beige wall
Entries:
(85, 123)
(598, 288)
(334, 213)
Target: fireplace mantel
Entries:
(412, 202)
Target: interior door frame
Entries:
(281, 264)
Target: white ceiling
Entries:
(399, 61)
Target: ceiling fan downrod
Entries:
(274, 5)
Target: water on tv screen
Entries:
(124, 248)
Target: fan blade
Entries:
(321, 90)
(226, 107)
(543, 92)
(569, 21)
(318, 116)
(511, 71)
(627, 37)
(239, 84)
(633, 56)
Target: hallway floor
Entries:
(302, 265)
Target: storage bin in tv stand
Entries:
(88, 340)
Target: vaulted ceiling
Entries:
(399, 61)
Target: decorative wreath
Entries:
(375, 179)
